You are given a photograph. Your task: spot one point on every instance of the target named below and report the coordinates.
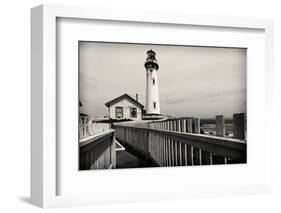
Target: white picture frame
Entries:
(44, 150)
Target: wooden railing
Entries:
(98, 152)
(178, 142)
(88, 128)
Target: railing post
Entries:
(168, 145)
(183, 125)
(196, 125)
(184, 146)
(190, 155)
(220, 126)
(189, 125)
(239, 126)
(171, 126)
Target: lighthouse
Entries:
(152, 87)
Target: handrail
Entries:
(169, 147)
(230, 142)
(94, 138)
(98, 151)
(88, 128)
(227, 147)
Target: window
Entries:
(119, 112)
(154, 105)
(153, 81)
(133, 112)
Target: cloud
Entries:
(204, 97)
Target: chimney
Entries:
(137, 97)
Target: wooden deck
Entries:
(125, 159)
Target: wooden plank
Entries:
(107, 154)
(160, 144)
(185, 154)
(180, 154)
(154, 147)
(163, 151)
(172, 153)
(200, 156)
(113, 153)
(157, 148)
(176, 154)
(166, 151)
(171, 144)
(190, 155)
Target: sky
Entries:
(193, 81)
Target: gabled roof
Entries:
(125, 96)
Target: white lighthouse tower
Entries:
(152, 87)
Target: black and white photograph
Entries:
(155, 105)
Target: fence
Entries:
(89, 128)
(178, 142)
(98, 152)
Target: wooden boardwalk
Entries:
(124, 159)
(169, 142)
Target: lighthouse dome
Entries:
(151, 61)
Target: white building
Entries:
(125, 107)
